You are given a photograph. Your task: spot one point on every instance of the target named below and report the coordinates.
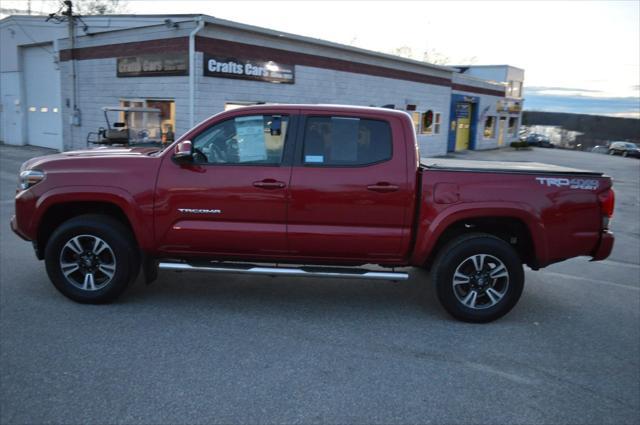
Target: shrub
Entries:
(519, 145)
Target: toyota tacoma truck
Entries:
(307, 190)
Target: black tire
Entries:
(122, 257)
(625, 154)
(456, 255)
(612, 152)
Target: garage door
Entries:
(42, 86)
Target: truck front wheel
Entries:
(478, 277)
(91, 259)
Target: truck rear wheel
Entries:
(91, 259)
(478, 277)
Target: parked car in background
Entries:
(600, 149)
(624, 149)
(540, 140)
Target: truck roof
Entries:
(323, 107)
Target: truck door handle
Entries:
(382, 187)
(269, 184)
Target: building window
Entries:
(489, 127)
(346, 141)
(513, 123)
(515, 89)
(415, 117)
(436, 124)
(139, 121)
(167, 118)
(430, 122)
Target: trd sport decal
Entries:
(586, 184)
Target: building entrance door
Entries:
(463, 119)
(42, 86)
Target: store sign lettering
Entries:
(160, 64)
(248, 69)
(462, 110)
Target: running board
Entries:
(336, 272)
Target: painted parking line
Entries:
(585, 279)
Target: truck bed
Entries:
(443, 164)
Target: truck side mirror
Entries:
(276, 126)
(183, 152)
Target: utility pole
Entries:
(29, 8)
(75, 117)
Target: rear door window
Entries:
(346, 141)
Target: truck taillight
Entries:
(607, 201)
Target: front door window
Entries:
(252, 139)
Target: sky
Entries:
(578, 56)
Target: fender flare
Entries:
(430, 232)
(142, 226)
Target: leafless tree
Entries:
(429, 55)
(100, 7)
(435, 57)
(403, 51)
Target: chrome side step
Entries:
(336, 272)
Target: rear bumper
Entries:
(605, 246)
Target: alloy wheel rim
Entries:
(87, 262)
(480, 281)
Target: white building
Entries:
(480, 119)
(193, 66)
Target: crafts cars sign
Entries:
(248, 69)
(152, 65)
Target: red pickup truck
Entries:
(307, 190)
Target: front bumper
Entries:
(16, 229)
(603, 250)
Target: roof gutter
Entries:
(192, 69)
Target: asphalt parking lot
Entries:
(196, 348)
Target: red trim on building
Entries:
(215, 46)
(220, 47)
(178, 44)
(479, 90)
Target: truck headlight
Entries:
(29, 178)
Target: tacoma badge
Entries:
(198, 211)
